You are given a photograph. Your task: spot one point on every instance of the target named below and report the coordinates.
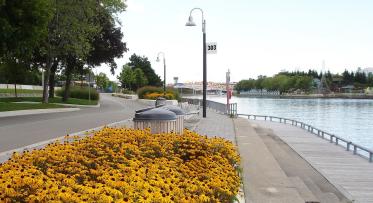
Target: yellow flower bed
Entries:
(155, 95)
(124, 165)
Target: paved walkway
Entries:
(35, 111)
(272, 171)
(214, 124)
(351, 174)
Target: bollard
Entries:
(348, 146)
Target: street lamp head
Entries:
(190, 22)
(157, 59)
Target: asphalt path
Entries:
(19, 131)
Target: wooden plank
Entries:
(350, 173)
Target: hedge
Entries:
(80, 93)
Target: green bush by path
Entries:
(151, 90)
(80, 93)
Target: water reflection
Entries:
(347, 118)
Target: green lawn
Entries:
(21, 91)
(8, 106)
(51, 100)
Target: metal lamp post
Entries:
(164, 72)
(204, 85)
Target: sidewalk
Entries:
(272, 171)
(35, 111)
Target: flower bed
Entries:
(124, 165)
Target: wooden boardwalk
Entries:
(351, 174)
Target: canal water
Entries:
(351, 119)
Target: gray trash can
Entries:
(179, 117)
(160, 101)
(157, 119)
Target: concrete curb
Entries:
(77, 105)
(35, 112)
(4, 156)
(63, 104)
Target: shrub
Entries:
(124, 165)
(148, 92)
(80, 93)
(127, 91)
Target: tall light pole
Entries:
(204, 85)
(164, 72)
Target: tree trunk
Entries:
(52, 79)
(68, 74)
(48, 66)
(15, 90)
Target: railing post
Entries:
(348, 146)
(280, 120)
(336, 140)
(370, 157)
(270, 118)
(265, 118)
(322, 134)
(355, 150)
(254, 117)
(331, 138)
(318, 133)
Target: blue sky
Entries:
(254, 37)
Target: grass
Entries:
(51, 100)
(22, 91)
(8, 106)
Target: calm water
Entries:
(348, 118)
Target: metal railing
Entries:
(218, 107)
(356, 149)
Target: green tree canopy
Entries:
(127, 77)
(140, 78)
(143, 63)
(23, 24)
(102, 81)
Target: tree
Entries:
(102, 81)
(140, 78)
(144, 64)
(22, 26)
(127, 77)
(13, 72)
(107, 45)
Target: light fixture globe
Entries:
(190, 22)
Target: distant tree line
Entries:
(301, 80)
